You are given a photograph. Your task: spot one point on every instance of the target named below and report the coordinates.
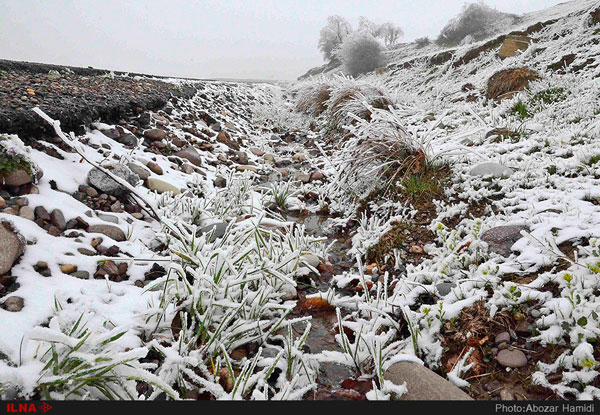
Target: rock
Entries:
(501, 238)
(11, 247)
(109, 269)
(155, 272)
(242, 157)
(139, 170)
(111, 133)
(190, 154)
(511, 358)
(187, 168)
(2, 203)
(512, 44)
(269, 158)
(17, 177)
(224, 138)
(491, 169)
(523, 328)
(27, 213)
(303, 177)
(290, 292)
(161, 186)
(13, 304)
(283, 163)
(317, 175)
(506, 395)
(82, 275)
(220, 182)
(54, 231)
(155, 134)
(105, 184)
(423, 384)
(41, 213)
(57, 218)
(503, 337)
(108, 218)
(129, 140)
(68, 268)
(257, 151)
(247, 168)
(312, 260)
(218, 230)
(86, 252)
(155, 168)
(417, 249)
(90, 191)
(444, 288)
(109, 230)
(300, 156)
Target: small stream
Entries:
(324, 323)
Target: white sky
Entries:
(265, 39)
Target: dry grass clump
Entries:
(312, 98)
(508, 81)
(351, 99)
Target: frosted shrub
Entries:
(361, 53)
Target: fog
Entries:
(258, 39)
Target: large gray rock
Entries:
(501, 238)
(423, 384)
(491, 169)
(105, 184)
(109, 230)
(11, 247)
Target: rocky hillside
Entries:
(428, 232)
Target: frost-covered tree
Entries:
(361, 53)
(333, 35)
(367, 26)
(390, 33)
(476, 21)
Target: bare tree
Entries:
(333, 35)
(390, 33)
(367, 26)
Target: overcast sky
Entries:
(266, 39)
